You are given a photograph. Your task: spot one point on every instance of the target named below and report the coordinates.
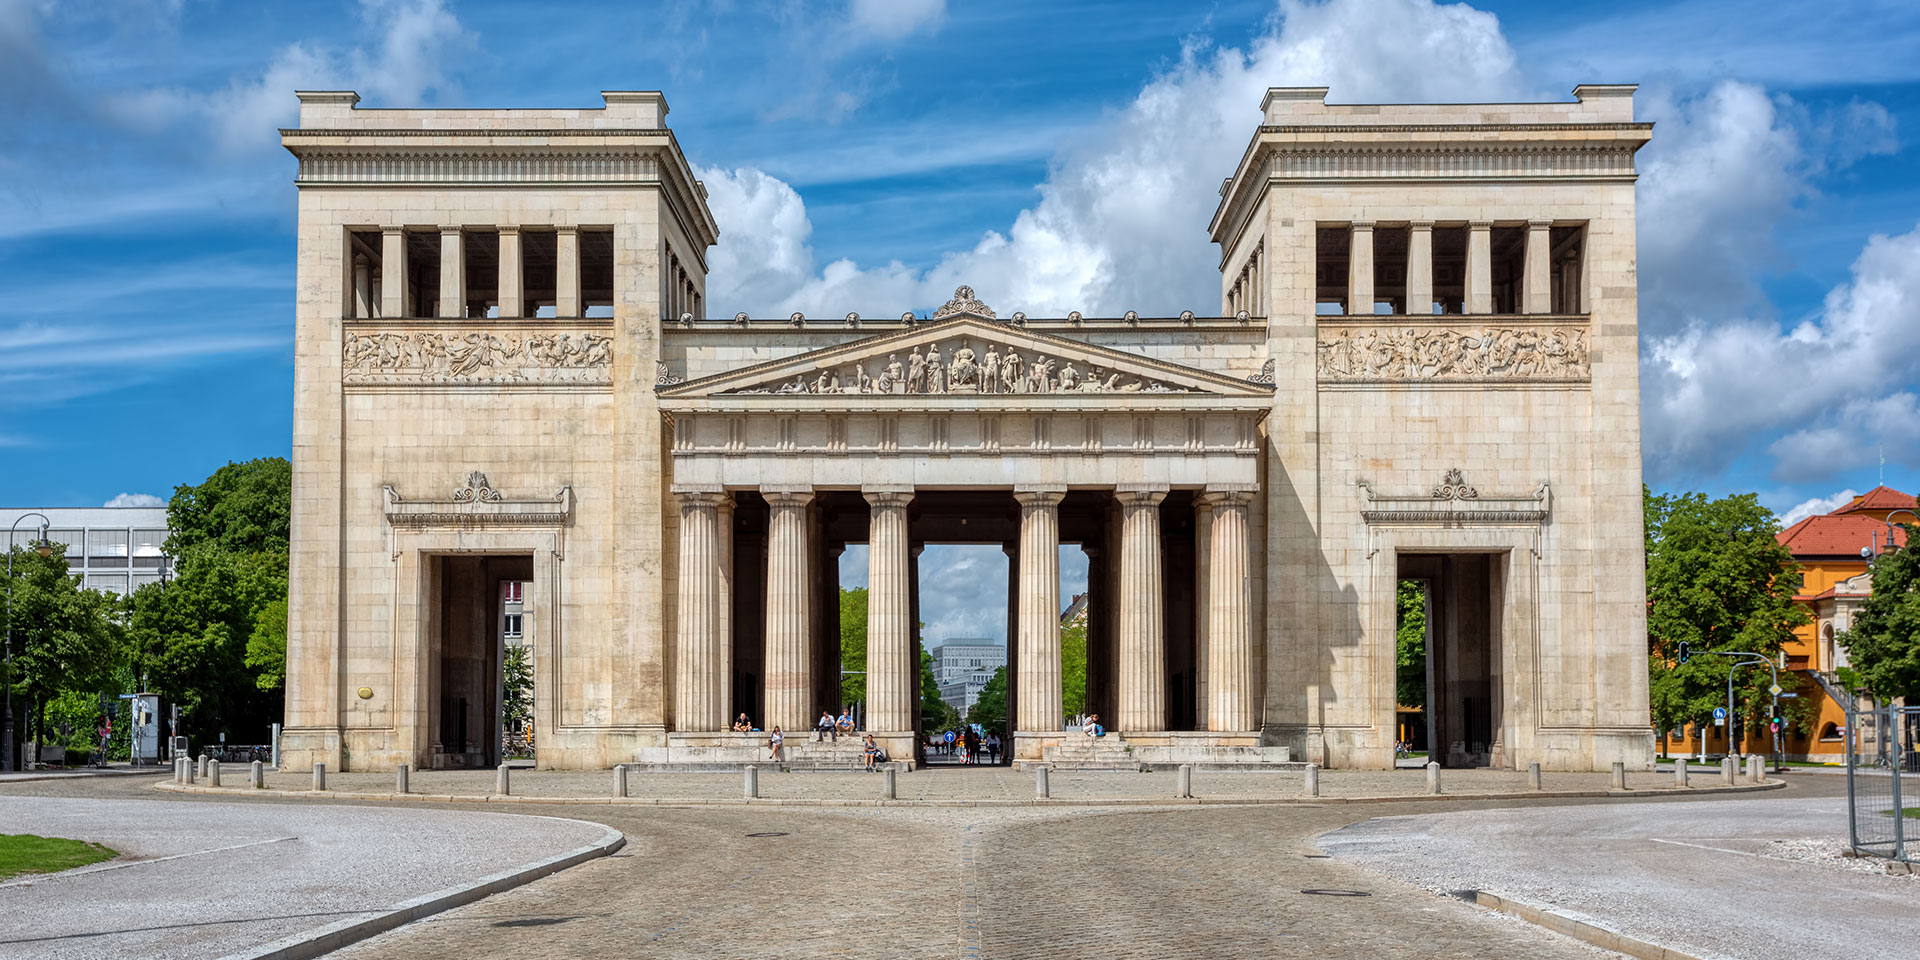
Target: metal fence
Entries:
(1883, 782)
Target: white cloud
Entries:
(894, 19)
(1816, 505)
(1121, 221)
(135, 500)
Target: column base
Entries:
(1147, 748)
(721, 750)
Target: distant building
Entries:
(963, 667)
(115, 549)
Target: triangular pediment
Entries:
(976, 357)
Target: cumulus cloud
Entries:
(135, 500)
(1816, 505)
(1121, 220)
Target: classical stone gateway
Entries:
(1423, 367)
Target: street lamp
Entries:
(43, 547)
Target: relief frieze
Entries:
(1000, 369)
(476, 357)
(1453, 353)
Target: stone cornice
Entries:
(1454, 502)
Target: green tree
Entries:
(990, 708)
(65, 639)
(1410, 645)
(853, 645)
(267, 647)
(1073, 667)
(1883, 645)
(243, 508)
(1718, 581)
(516, 677)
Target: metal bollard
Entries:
(887, 785)
(1185, 789)
(319, 776)
(213, 773)
(257, 775)
(203, 766)
(753, 782)
(1727, 765)
(1433, 776)
(1041, 791)
(502, 783)
(401, 775)
(1312, 786)
(1533, 776)
(1619, 775)
(620, 780)
(1680, 773)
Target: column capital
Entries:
(450, 228)
(880, 497)
(567, 228)
(1479, 224)
(1420, 224)
(1039, 496)
(359, 260)
(1363, 225)
(836, 549)
(393, 229)
(787, 494)
(1225, 497)
(1541, 224)
(699, 494)
(507, 231)
(1140, 494)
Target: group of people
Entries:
(828, 726)
(970, 745)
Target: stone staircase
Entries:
(806, 753)
(1080, 751)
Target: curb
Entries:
(313, 943)
(338, 795)
(77, 775)
(1581, 930)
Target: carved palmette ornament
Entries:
(1455, 487)
(475, 357)
(1409, 353)
(964, 302)
(477, 490)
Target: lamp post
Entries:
(9, 760)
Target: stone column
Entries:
(1360, 269)
(789, 686)
(723, 634)
(363, 305)
(566, 276)
(1038, 709)
(696, 646)
(1202, 589)
(1143, 641)
(1537, 282)
(891, 667)
(1420, 268)
(1097, 620)
(1479, 278)
(453, 274)
(1229, 638)
(393, 272)
(512, 286)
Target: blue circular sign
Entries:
(949, 736)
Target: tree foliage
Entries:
(1410, 645)
(935, 715)
(853, 645)
(1883, 645)
(516, 679)
(1073, 667)
(1717, 580)
(989, 710)
(65, 639)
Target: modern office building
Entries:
(963, 667)
(118, 549)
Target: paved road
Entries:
(198, 879)
(1752, 877)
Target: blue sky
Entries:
(869, 155)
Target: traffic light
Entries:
(1684, 652)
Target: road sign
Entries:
(1788, 696)
(1719, 713)
(1775, 689)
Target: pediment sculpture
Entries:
(992, 369)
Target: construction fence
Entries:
(1883, 782)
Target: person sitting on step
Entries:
(846, 720)
(1093, 727)
(872, 752)
(824, 728)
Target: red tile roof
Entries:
(1879, 498)
(1838, 535)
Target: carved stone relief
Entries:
(964, 302)
(1000, 370)
(476, 357)
(1551, 354)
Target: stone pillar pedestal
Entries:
(1143, 655)
(891, 666)
(789, 588)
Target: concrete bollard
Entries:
(620, 780)
(319, 776)
(1680, 773)
(502, 780)
(186, 769)
(752, 789)
(1312, 787)
(1727, 765)
(887, 785)
(1756, 768)
(1619, 775)
(257, 775)
(1041, 790)
(213, 773)
(1433, 776)
(402, 775)
(1533, 776)
(1185, 788)
(203, 766)
(179, 775)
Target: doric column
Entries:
(723, 657)
(1420, 267)
(789, 598)
(1537, 280)
(696, 648)
(1202, 571)
(453, 274)
(1479, 278)
(512, 285)
(1038, 709)
(1229, 636)
(363, 305)
(891, 667)
(566, 276)
(1360, 269)
(1143, 641)
(1097, 627)
(393, 272)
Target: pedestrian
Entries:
(774, 742)
(993, 748)
(871, 753)
(824, 728)
(973, 745)
(1092, 728)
